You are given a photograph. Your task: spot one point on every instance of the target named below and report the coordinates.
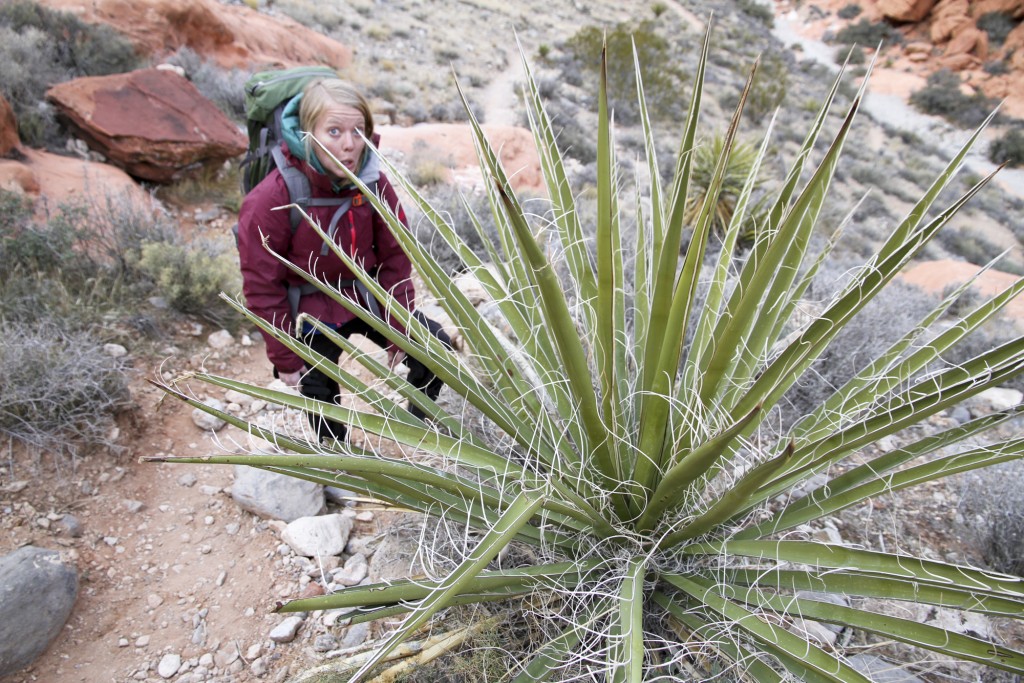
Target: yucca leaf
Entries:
(628, 652)
(504, 530)
(771, 637)
(875, 586)
(822, 556)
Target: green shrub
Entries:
(191, 277)
(1008, 148)
(769, 88)
(59, 390)
(663, 83)
(866, 34)
(942, 96)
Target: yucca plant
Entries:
(630, 451)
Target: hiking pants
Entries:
(315, 384)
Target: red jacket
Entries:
(361, 232)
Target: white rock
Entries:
(169, 665)
(115, 350)
(276, 496)
(286, 630)
(318, 536)
(221, 339)
(232, 396)
(1000, 398)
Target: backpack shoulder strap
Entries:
(296, 182)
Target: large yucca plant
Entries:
(631, 454)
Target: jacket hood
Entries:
(369, 170)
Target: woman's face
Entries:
(338, 130)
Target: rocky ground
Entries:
(177, 580)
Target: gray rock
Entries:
(169, 665)
(71, 526)
(355, 635)
(325, 642)
(187, 480)
(286, 630)
(318, 536)
(276, 496)
(37, 593)
(960, 414)
(208, 422)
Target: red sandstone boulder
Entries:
(152, 123)
(61, 179)
(1014, 8)
(906, 10)
(9, 140)
(234, 36)
(968, 40)
(948, 18)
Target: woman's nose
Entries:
(348, 139)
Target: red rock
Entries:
(63, 178)
(9, 140)
(911, 11)
(968, 40)
(959, 62)
(153, 123)
(948, 17)
(17, 177)
(234, 36)
(1014, 8)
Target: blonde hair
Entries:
(320, 95)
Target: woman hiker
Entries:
(334, 113)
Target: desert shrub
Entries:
(1009, 148)
(850, 11)
(191, 277)
(769, 88)
(79, 262)
(81, 49)
(451, 203)
(942, 96)
(28, 66)
(41, 47)
(663, 82)
(326, 17)
(753, 8)
(866, 34)
(997, 25)
(865, 338)
(59, 390)
(993, 506)
(224, 87)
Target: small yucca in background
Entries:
(633, 460)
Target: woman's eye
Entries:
(334, 131)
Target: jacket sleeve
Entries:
(264, 278)
(394, 271)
